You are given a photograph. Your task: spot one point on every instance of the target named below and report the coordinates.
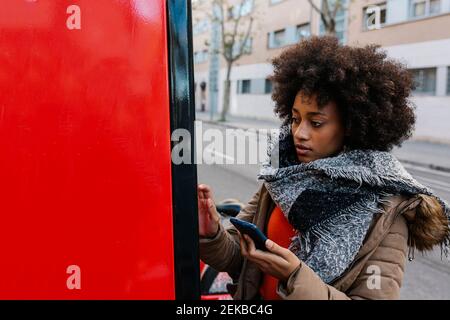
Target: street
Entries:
(426, 277)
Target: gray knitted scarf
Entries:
(331, 201)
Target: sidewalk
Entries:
(422, 153)
(239, 122)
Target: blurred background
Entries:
(234, 41)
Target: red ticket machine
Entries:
(91, 205)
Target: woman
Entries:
(340, 211)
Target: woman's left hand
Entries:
(278, 262)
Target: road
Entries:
(426, 277)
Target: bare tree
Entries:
(328, 13)
(235, 19)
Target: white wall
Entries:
(422, 54)
(441, 80)
(433, 118)
(445, 5)
(258, 106)
(397, 11)
(249, 105)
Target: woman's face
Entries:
(318, 133)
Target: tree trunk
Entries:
(226, 94)
(331, 30)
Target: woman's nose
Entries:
(302, 132)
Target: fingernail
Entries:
(269, 243)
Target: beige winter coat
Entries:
(418, 221)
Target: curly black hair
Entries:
(370, 90)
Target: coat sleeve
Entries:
(380, 278)
(223, 252)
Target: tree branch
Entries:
(235, 29)
(244, 41)
(322, 14)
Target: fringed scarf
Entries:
(331, 202)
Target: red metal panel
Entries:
(85, 150)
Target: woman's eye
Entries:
(296, 120)
(316, 124)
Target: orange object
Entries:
(280, 231)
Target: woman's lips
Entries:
(302, 150)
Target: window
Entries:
(340, 30)
(268, 87)
(372, 14)
(277, 38)
(237, 11)
(200, 56)
(247, 47)
(422, 8)
(200, 27)
(243, 86)
(258, 86)
(288, 36)
(275, 1)
(425, 80)
(302, 32)
(341, 17)
(247, 7)
(435, 6)
(448, 80)
(246, 86)
(418, 8)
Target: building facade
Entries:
(417, 32)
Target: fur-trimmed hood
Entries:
(428, 224)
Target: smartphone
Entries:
(252, 231)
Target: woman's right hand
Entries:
(208, 218)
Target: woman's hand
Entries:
(278, 262)
(208, 218)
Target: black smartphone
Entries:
(252, 231)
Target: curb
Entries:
(419, 164)
(224, 124)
